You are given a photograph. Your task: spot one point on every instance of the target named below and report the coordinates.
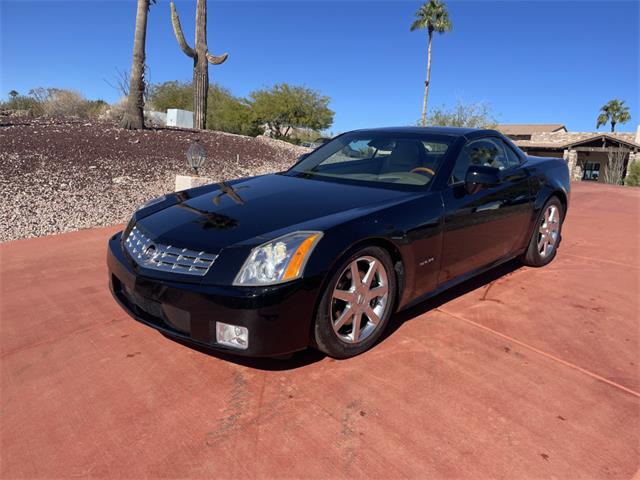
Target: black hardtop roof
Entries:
(451, 131)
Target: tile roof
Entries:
(530, 128)
(567, 139)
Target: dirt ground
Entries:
(60, 175)
(522, 373)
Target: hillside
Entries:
(58, 175)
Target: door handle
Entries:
(489, 206)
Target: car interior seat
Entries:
(405, 156)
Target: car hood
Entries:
(257, 209)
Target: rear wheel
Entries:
(356, 304)
(546, 236)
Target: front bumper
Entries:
(278, 317)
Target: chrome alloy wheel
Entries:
(359, 300)
(549, 231)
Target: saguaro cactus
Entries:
(201, 59)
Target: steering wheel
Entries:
(423, 170)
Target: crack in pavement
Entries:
(543, 353)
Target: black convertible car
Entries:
(322, 254)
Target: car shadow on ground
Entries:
(310, 355)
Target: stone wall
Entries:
(633, 157)
(575, 170)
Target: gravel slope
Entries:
(58, 175)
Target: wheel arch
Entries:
(562, 196)
(389, 246)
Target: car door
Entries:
(488, 224)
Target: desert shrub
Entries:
(63, 103)
(22, 102)
(172, 94)
(306, 135)
(225, 113)
(93, 108)
(633, 175)
(115, 111)
(58, 102)
(280, 107)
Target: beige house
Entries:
(587, 153)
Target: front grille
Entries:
(166, 258)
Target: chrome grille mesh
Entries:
(166, 258)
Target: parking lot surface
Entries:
(521, 373)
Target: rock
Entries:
(106, 180)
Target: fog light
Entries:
(232, 335)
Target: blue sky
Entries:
(532, 61)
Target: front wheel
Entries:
(546, 235)
(356, 304)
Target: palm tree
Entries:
(133, 117)
(614, 111)
(433, 17)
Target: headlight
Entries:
(153, 201)
(279, 260)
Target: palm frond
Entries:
(433, 16)
(418, 25)
(603, 118)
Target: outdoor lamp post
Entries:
(196, 155)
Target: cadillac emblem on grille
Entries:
(166, 258)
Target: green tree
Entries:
(633, 175)
(13, 94)
(472, 115)
(614, 111)
(283, 107)
(172, 94)
(225, 112)
(432, 17)
(133, 117)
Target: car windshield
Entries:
(405, 158)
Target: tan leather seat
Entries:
(405, 156)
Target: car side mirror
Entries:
(480, 176)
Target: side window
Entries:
(514, 160)
(489, 152)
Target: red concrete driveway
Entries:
(523, 373)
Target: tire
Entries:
(539, 254)
(356, 302)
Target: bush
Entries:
(115, 111)
(225, 113)
(55, 102)
(171, 95)
(22, 102)
(633, 175)
(93, 108)
(63, 103)
(232, 115)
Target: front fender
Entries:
(411, 231)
